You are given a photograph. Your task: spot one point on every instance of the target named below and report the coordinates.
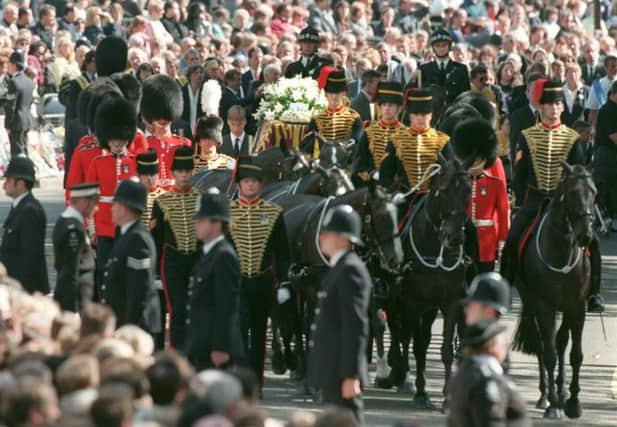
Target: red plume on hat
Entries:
(323, 75)
(538, 89)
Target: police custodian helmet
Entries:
(345, 221)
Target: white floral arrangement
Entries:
(294, 100)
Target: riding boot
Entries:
(596, 302)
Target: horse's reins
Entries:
(569, 265)
(319, 225)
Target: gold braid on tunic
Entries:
(418, 150)
(178, 209)
(146, 217)
(334, 125)
(220, 161)
(379, 134)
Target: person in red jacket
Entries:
(161, 104)
(116, 121)
(475, 144)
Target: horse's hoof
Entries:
(406, 388)
(278, 365)
(573, 408)
(553, 413)
(542, 403)
(385, 383)
(422, 401)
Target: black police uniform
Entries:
(338, 345)
(23, 241)
(605, 157)
(129, 281)
(307, 67)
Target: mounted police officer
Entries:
(129, 287)
(257, 229)
(309, 63)
(74, 256)
(213, 320)
(338, 363)
(479, 393)
(538, 173)
(444, 72)
(174, 234)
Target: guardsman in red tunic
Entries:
(161, 104)
(475, 144)
(131, 90)
(116, 122)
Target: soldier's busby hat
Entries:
(309, 34)
(20, 167)
(247, 168)
(148, 163)
(210, 127)
(332, 79)
(345, 221)
(161, 99)
(440, 35)
(490, 289)
(389, 92)
(129, 86)
(479, 102)
(456, 114)
(115, 119)
(87, 189)
(111, 56)
(183, 159)
(418, 101)
(213, 205)
(482, 331)
(131, 193)
(548, 91)
(100, 86)
(475, 139)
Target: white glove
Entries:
(399, 199)
(283, 295)
(158, 284)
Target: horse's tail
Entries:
(527, 338)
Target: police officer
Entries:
(129, 287)
(309, 63)
(209, 137)
(74, 257)
(338, 363)
(213, 324)
(257, 229)
(442, 71)
(488, 297)
(174, 234)
(479, 393)
(23, 240)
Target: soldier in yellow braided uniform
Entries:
(337, 122)
(209, 137)
(379, 132)
(258, 233)
(538, 173)
(174, 234)
(148, 174)
(418, 147)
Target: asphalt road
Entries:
(386, 407)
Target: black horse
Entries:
(554, 276)
(433, 277)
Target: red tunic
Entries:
(139, 144)
(490, 212)
(108, 170)
(86, 151)
(165, 151)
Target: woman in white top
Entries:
(64, 58)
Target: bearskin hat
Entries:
(479, 102)
(161, 99)
(456, 114)
(209, 127)
(102, 84)
(111, 56)
(99, 93)
(129, 86)
(474, 139)
(115, 119)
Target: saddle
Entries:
(531, 229)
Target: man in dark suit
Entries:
(253, 74)
(23, 243)
(591, 69)
(232, 94)
(129, 281)
(236, 143)
(74, 256)
(309, 63)
(213, 325)
(444, 72)
(171, 21)
(363, 102)
(18, 119)
(338, 362)
(524, 117)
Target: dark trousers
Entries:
(104, 245)
(607, 195)
(175, 273)
(19, 142)
(255, 302)
(331, 395)
(486, 267)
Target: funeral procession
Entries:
(308, 213)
